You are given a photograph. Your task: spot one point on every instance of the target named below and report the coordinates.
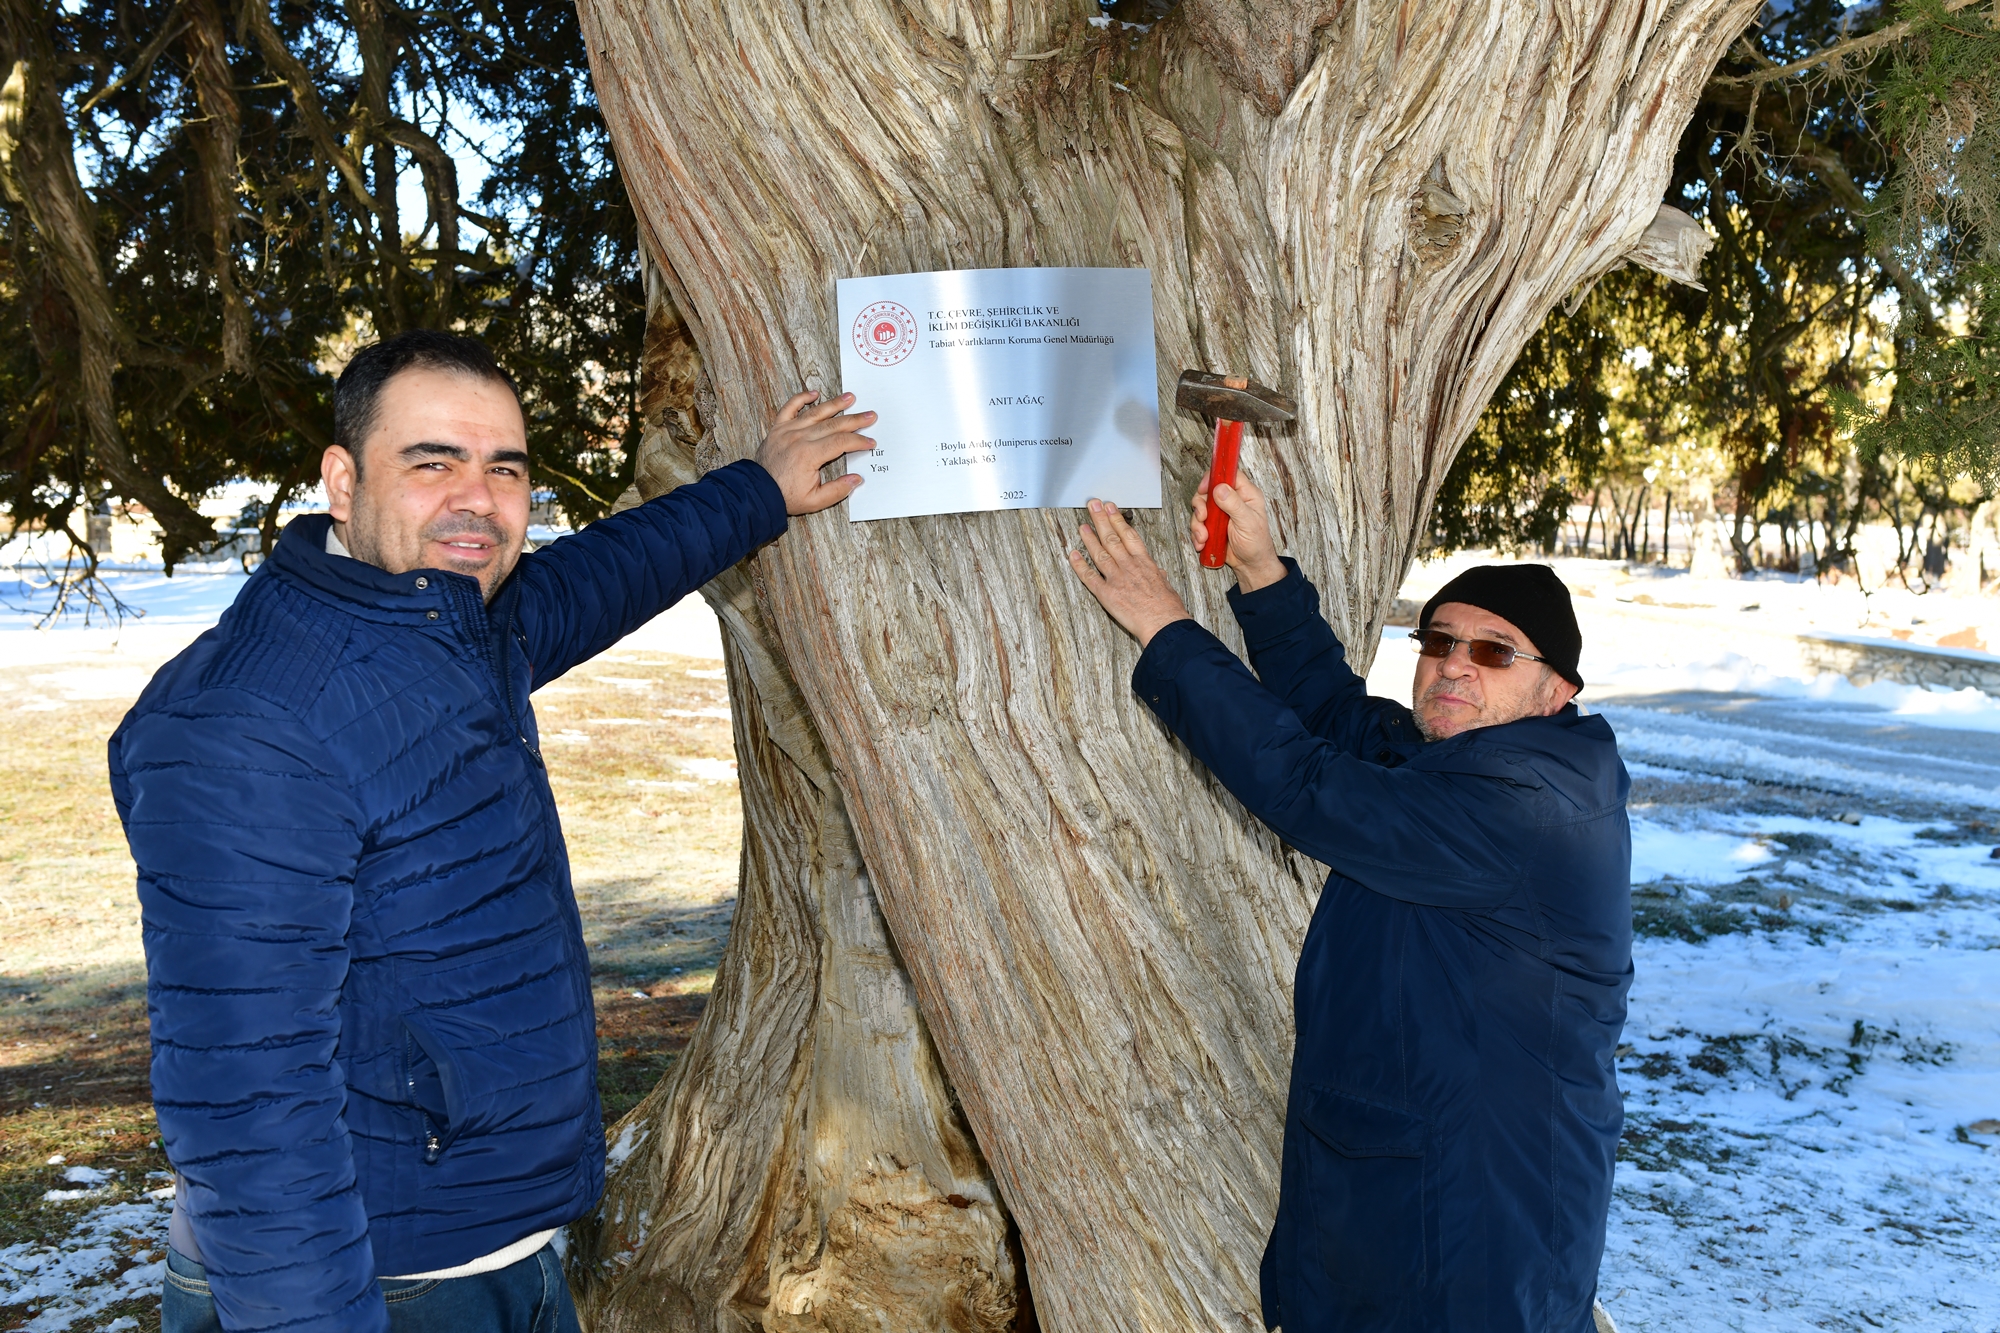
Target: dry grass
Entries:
(638, 747)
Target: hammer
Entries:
(1231, 400)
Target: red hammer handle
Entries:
(1221, 472)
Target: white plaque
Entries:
(1002, 388)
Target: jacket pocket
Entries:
(1371, 1200)
(499, 1041)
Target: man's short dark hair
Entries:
(360, 385)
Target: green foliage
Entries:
(1944, 421)
(248, 234)
(1848, 207)
(1540, 445)
(1939, 103)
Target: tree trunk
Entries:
(1368, 207)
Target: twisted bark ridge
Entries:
(1368, 206)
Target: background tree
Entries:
(1839, 369)
(1076, 1017)
(205, 209)
(1937, 443)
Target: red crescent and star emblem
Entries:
(885, 333)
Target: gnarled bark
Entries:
(805, 1157)
(1368, 206)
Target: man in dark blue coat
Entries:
(374, 1056)
(1454, 1111)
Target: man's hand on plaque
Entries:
(807, 435)
(1252, 553)
(1121, 575)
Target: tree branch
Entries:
(1838, 52)
(38, 166)
(312, 112)
(441, 186)
(140, 63)
(216, 141)
(377, 46)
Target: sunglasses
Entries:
(1483, 652)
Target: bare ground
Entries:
(639, 752)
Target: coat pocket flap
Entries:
(1354, 1127)
(434, 1082)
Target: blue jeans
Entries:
(527, 1297)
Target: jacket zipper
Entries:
(502, 669)
(432, 1143)
(475, 621)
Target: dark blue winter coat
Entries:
(1454, 1112)
(373, 1045)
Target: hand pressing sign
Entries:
(803, 439)
(1121, 573)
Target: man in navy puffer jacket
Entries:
(374, 1055)
(1454, 1113)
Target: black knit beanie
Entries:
(1532, 598)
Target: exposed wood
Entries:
(1099, 941)
(1673, 245)
(805, 1155)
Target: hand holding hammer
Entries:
(1231, 400)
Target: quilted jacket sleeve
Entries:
(1297, 656)
(1445, 831)
(246, 843)
(585, 592)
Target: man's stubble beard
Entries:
(364, 542)
(1439, 686)
(1533, 706)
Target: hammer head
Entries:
(1231, 398)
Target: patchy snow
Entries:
(1631, 664)
(160, 616)
(1692, 856)
(1720, 747)
(629, 1138)
(115, 1252)
(708, 770)
(1811, 1065)
(1797, 1152)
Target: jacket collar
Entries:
(418, 597)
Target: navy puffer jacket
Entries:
(1454, 1113)
(373, 1044)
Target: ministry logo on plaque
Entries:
(885, 333)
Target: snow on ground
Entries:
(1627, 660)
(117, 650)
(115, 1253)
(1812, 1081)
(1811, 1065)
(1954, 617)
(159, 616)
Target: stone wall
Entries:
(1865, 661)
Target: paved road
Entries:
(1846, 749)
